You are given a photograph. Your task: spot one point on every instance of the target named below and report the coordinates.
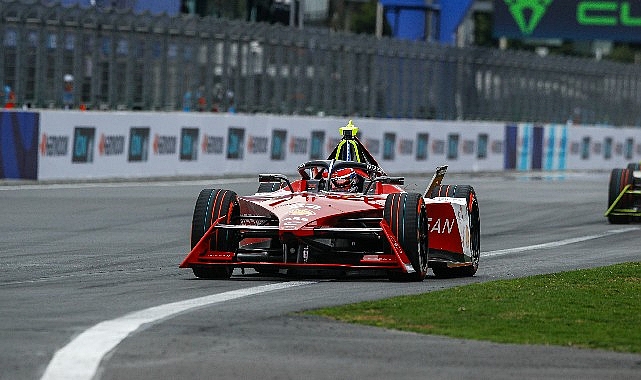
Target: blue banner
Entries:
(19, 145)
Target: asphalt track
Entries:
(89, 288)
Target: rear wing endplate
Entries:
(436, 180)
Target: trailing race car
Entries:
(343, 213)
(624, 195)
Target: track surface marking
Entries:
(80, 358)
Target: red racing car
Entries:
(344, 213)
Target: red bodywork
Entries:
(305, 214)
(305, 224)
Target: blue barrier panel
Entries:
(537, 148)
(510, 146)
(19, 145)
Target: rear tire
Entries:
(619, 178)
(406, 215)
(466, 192)
(211, 205)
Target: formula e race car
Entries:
(343, 214)
(624, 195)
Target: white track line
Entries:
(80, 358)
(558, 243)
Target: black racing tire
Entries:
(211, 205)
(619, 178)
(454, 191)
(634, 166)
(466, 192)
(406, 215)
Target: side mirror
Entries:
(275, 178)
(386, 180)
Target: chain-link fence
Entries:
(118, 60)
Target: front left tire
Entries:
(406, 216)
(211, 205)
(619, 178)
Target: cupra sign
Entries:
(574, 19)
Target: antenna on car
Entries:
(348, 142)
(349, 131)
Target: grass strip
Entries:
(591, 308)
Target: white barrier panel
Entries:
(92, 145)
(561, 147)
(603, 148)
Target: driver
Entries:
(348, 180)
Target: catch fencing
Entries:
(120, 60)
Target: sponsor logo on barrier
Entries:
(629, 149)
(257, 144)
(405, 147)
(51, 146)
(111, 145)
(164, 144)
(481, 152)
(189, 144)
(618, 149)
(438, 147)
(585, 148)
(574, 148)
(389, 144)
(138, 144)
(468, 147)
(607, 148)
(497, 146)
(316, 150)
(422, 141)
(235, 143)
(298, 145)
(83, 144)
(279, 138)
(452, 146)
(212, 144)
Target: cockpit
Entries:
(337, 175)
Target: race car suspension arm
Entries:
(400, 254)
(202, 246)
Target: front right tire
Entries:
(465, 192)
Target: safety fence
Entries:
(106, 59)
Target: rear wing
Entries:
(436, 180)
